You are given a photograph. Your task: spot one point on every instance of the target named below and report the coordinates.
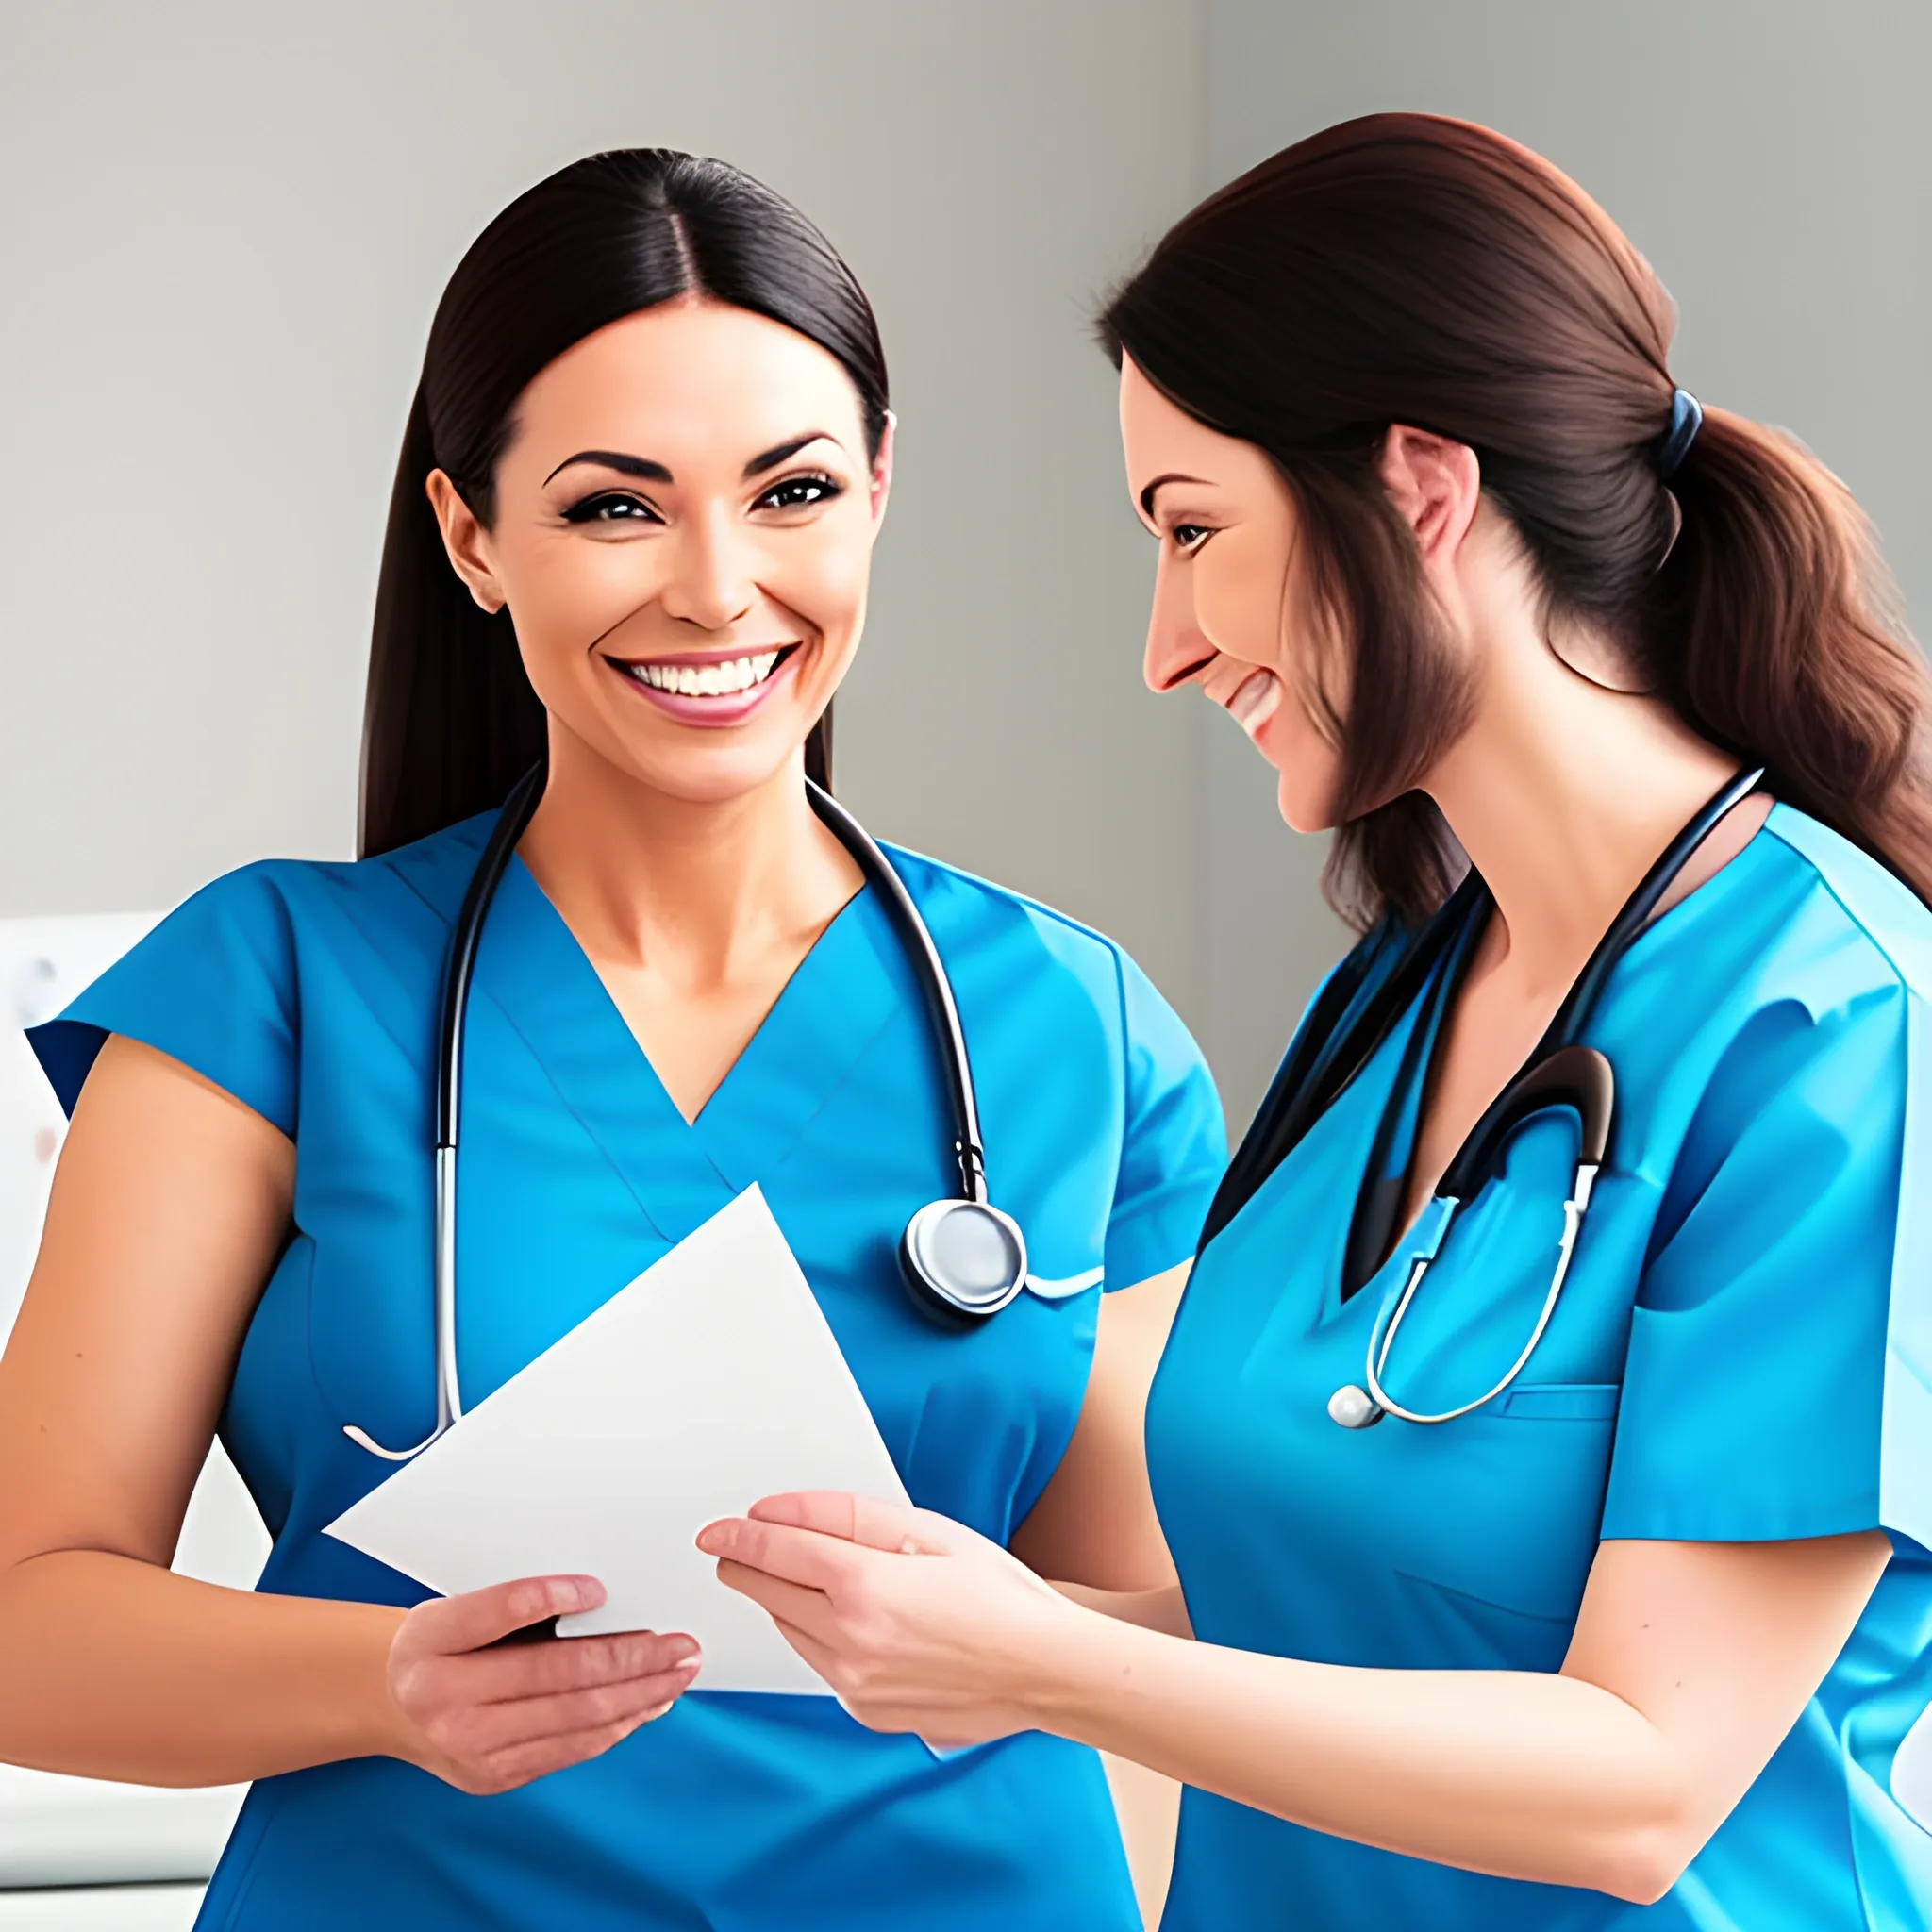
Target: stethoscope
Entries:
(1342, 1037)
(962, 1260)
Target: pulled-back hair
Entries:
(1404, 268)
(451, 722)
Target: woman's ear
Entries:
(882, 466)
(465, 540)
(1436, 486)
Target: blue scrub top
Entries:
(309, 991)
(1742, 1352)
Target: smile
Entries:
(1252, 702)
(708, 691)
(726, 678)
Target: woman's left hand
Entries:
(916, 1622)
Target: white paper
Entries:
(711, 1381)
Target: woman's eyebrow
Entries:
(1161, 482)
(616, 459)
(784, 451)
(656, 472)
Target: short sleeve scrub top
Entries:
(1742, 1352)
(309, 993)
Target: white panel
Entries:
(107, 1909)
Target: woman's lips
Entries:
(1252, 701)
(716, 708)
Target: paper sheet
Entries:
(709, 1382)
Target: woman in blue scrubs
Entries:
(1495, 1623)
(631, 532)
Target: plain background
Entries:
(224, 228)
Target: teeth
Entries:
(706, 680)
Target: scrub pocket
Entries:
(1567, 1402)
(1507, 1517)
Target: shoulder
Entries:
(970, 915)
(1782, 1017)
(1056, 977)
(299, 902)
(277, 953)
(1851, 927)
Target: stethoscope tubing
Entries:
(460, 969)
(934, 981)
(1381, 1341)
(1359, 1408)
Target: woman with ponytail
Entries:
(628, 559)
(1544, 1441)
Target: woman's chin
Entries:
(1301, 810)
(716, 775)
(704, 767)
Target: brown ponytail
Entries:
(1407, 269)
(1781, 640)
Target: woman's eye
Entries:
(612, 507)
(1188, 536)
(798, 493)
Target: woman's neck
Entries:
(1563, 794)
(706, 890)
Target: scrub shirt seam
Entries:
(563, 1101)
(837, 1086)
(995, 889)
(1145, 1206)
(1119, 996)
(382, 960)
(1858, 925)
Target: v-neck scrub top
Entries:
(309, 991)
(1742, 1352)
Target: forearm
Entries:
(118, 1669)
(1163, 1609)
(1519, 1773)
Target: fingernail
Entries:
(576, 1593)
(711, 1538)
(683, 1651)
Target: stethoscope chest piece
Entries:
(1354, 1407)
(963, 1260)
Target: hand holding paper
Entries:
(918, 1623)
(711, 1380)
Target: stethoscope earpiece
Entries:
(962, 1260)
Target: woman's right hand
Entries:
(486, 1716)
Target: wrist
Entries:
(378, 1725)
(1053, 1672)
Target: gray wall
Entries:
(1771, 158)
(225, 230)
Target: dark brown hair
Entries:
(1404, 269)
(451, 722)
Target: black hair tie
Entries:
(1687, 418)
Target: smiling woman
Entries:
(628, 559)
(1531, 1574)
(593, 340)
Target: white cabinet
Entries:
(64, 1835)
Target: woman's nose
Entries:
(712, 581)
(1175, 647)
